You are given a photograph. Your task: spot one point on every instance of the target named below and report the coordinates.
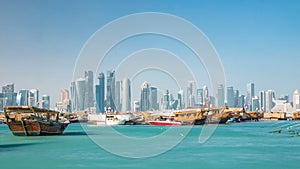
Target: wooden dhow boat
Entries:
(33, 121)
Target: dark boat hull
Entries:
(36, 128)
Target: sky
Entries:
(257, 40)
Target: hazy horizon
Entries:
(257, 41)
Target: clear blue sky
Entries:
(257, 40)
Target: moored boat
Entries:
(33, 121)
(165, 123)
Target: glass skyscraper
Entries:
(100, 89)
(126, 95)
(230, 96)
(221, 95)
(145, 97)
(110, 90)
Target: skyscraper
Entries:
(236, 98)
(221, 95)
(205, 93)
(167, 100)
(80, 85)
(89, 90)
(180, 100)
(262, 101)
(296, 100)
(9, 95)
(145, 97)
(126, 95)
(200, 98)
(100, 89)
(110, 90)
(153, 98)
(22, 98)
(250, 94)
(64, 103)
(211, 101)
(270, 97)
(117, 96)
(1, 101)
(191, 93)
(230, 96)
(46, 102)
(33, 99)
(74, 97)
(241, 102)
(255, 103)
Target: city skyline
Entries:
(47, 42)
(150, 98)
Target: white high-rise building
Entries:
(205, 95)
(191, 93)
(230, 96)
(33, 97)
(118, 95)
(89, 90)
(296, 100)
(255, 103)
(270, 98)
(145, 97)
(262, 101)
(80, 85)
(250, 94)
(126, 95)
(221, 95)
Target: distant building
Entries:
(205, 93)
(241, 101)
(284, 97)
(33, 98)
(64, 104)
(110, 91)
(82, 93)
(270, 97)
(191, 93)
(80, 85)
(100, 97)
(230, 96)
(46, 102)
(136, 106)
(221, 95)
(236, 98)
(89, 90)
(255, 103)
(211, 101)
(1, 101)
(283, 106)
(9, 95)
(22, 97)
(145, 97)
(200, 99)
(126, 95)
(117, 96)
(74, 96)
(153, 98)
(250, 94)
(296, 100)
(167, 100)
(180, 100)
(262, 101)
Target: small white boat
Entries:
(110, 119)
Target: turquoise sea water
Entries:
(244, 145)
